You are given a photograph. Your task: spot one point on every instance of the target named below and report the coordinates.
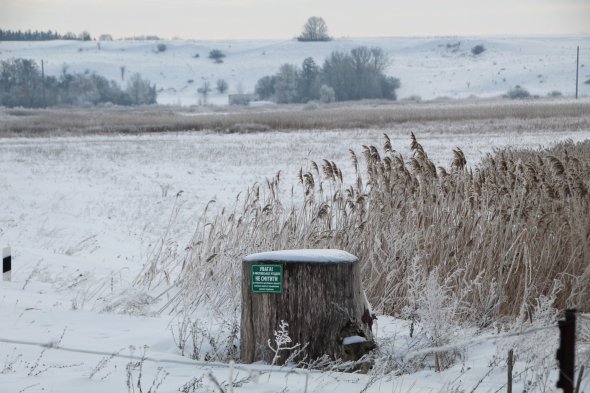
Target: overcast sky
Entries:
(242, 19)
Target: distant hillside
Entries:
(427, 67)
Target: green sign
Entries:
(267, 278)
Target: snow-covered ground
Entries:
(427, 67)
(82, 214)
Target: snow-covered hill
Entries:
(427, 67)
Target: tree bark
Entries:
(321, 300)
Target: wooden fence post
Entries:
(510, 368)
(6, 264)
(317, 293)
(567, 352)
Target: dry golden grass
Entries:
(497, 237)
(371, 114)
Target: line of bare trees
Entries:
(23, 84)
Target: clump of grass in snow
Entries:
(498, 235)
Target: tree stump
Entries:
(317, 293)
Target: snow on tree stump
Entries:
(317, 293)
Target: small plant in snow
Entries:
(102, 364)
(209, 343)
(192, 385)
(134, 381)
(9, 363)
(434, 312)
(282, 340)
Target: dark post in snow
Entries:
(510, 368)
(6, 264)
(317, 293)
(567, 351)
(577, 69)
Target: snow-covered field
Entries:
(427, 67)
(82, 216)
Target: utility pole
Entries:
(577, 69)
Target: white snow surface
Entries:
(303, 256)
(428, 68)
(353, 340)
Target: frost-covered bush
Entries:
(327, 94)
(140, 90)
(285, 85)
(161, 47)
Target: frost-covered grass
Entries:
(85, 214)
(488, 240)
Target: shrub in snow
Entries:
(105, 37)
(141, 91)
(215, 340)
(435, 309)
(265, 87)
(517, 93)
(327, 94)
(161, 47)
(216, 55)
(478, 49)
(535, 339)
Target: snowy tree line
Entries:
(28, 35)
(23, 84)
(344, 76)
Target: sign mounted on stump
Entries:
(267, 278)
(317, 294)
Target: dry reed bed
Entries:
(32, 122)
(494, 238)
